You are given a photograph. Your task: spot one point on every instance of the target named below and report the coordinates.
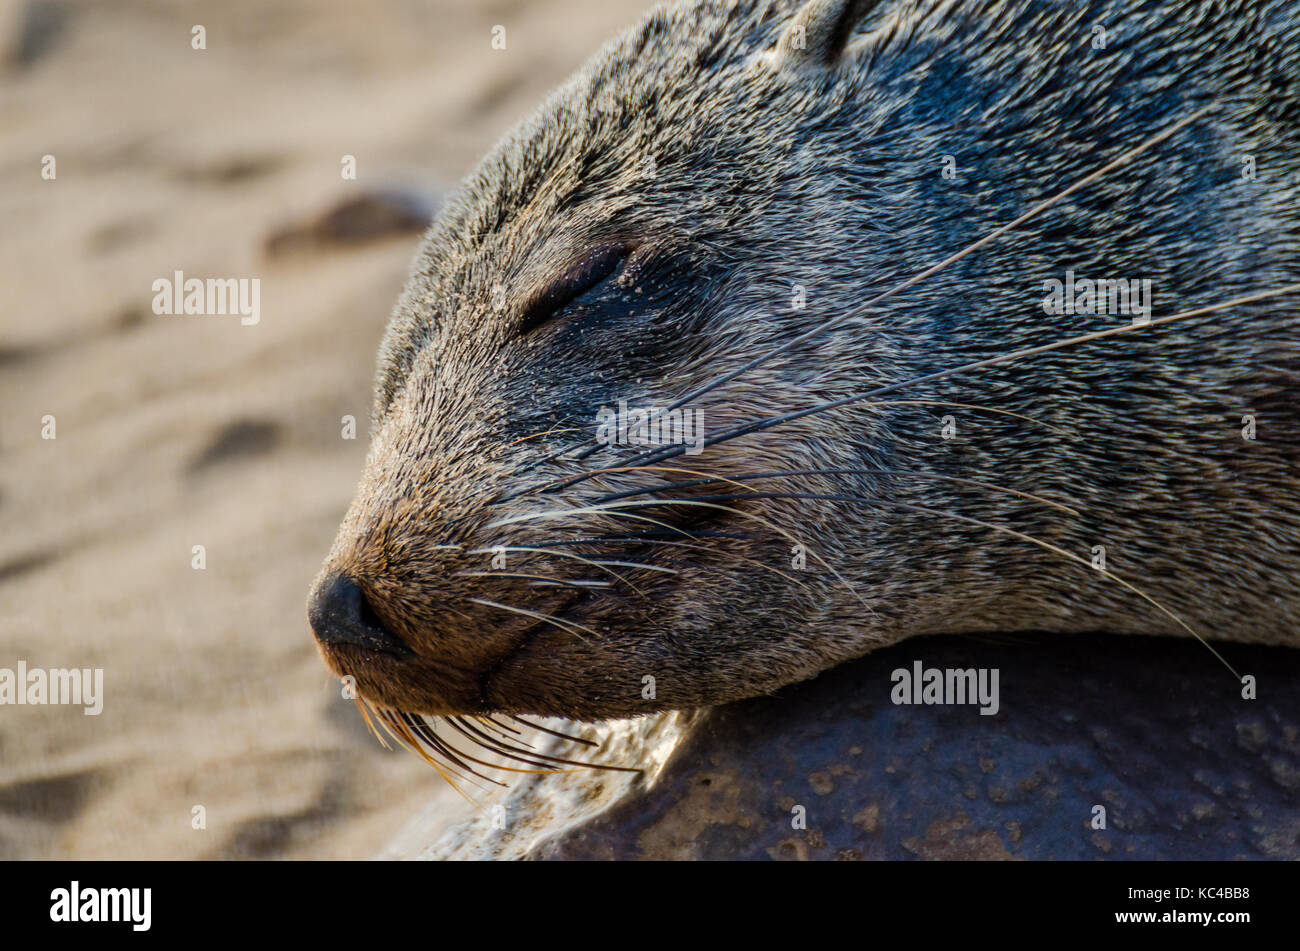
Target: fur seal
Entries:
(792, 219)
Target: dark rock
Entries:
(1154, 730)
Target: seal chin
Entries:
(412, 684)
(505, 686)
(547, 675)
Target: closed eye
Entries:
(585, 274)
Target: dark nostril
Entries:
(339, 614)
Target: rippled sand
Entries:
(181, 431)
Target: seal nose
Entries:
(339, 614)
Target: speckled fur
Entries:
(770, 171)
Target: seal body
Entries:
(714, 186)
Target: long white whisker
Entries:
(560, 554)
(564, 625)
(614, 508)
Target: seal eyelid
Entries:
(594, 267)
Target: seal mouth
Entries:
(416, 678)
(440, 711)
(356, 644)
(559, 618)
(486, 687)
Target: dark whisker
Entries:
(403, 735)
(502, 726)
(563, 736)
(503, 750)
(487, 743)
(514, 736)
(425, 732)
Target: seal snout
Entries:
(340, 614)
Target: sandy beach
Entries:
(171, 432)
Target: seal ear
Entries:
(819, 32)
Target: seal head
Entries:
(708, 191)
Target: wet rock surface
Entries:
(1154, 730)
